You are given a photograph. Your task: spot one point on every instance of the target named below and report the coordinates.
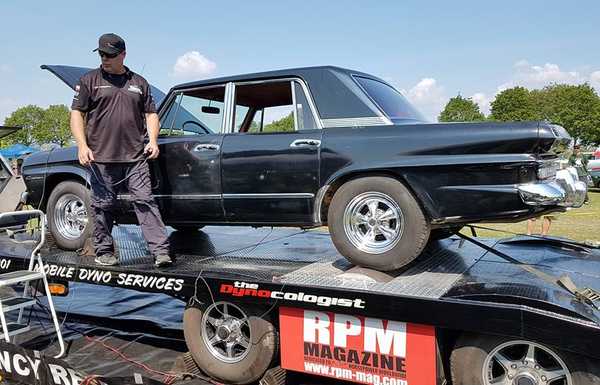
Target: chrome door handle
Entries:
(305, 143)
(206, 147)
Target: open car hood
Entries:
(5, 130)
(71, 75)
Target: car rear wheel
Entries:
(486, 360)
(69, 215)
(376, 222)
(230, 343)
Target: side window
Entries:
(268, 107)
(195, 112)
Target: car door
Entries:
(187, 175)
(270, 162)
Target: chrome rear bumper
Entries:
(564, 190)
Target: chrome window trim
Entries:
(356, 122)
(269, 195)
(180, 95)
(227, 123)
(293, 89)
(307, 94)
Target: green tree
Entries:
(283, 124)
(30, 118)
(515, 104)
(459, 109)
(40, 126)
(575, 107)
(55, 127)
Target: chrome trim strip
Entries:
(356, 122)
(269, 195)
(319, 203)
(175, 196)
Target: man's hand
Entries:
(152, 150)
(86, 156)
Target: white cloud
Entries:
(7, 106)
(193, 65)
(428, 96)
(538, 76)
(4, 68)
(595, 80)
(483, 101)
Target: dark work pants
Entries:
(104, 198)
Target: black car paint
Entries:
(460, 172)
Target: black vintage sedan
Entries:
(319, 146)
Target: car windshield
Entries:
(395, 106)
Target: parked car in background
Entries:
(350, 153)
(593, 168)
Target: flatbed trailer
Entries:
(260, 299)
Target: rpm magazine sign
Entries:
(355, 348)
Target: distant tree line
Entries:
(575, 107)
(40, 126)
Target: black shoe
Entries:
(107, 260)
(162, 261)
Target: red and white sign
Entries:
(355, 348)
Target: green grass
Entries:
(582, 224)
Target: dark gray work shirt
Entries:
(114, 106)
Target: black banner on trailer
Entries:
(23, 366)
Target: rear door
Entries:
(270, 162)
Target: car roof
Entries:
(335, 93)
(282, 73)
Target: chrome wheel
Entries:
(373, 222)
(226, 332)
(70, 216)
(525, 363)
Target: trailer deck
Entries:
(454, 286)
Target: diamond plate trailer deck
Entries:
(455, 286)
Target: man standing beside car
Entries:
(111, 111)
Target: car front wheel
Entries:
(69, 215)
(377, 223)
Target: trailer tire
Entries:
(66, 201)
(468, 360)
(408, 230)
(260, 354)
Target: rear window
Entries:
(395, 106)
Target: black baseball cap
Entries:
(111, 44)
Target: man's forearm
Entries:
(153, 125)
(78, 128)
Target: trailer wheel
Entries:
(231, 344)
(485, 360)
(69, 215)
(376, 222)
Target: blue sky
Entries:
(430, 50)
